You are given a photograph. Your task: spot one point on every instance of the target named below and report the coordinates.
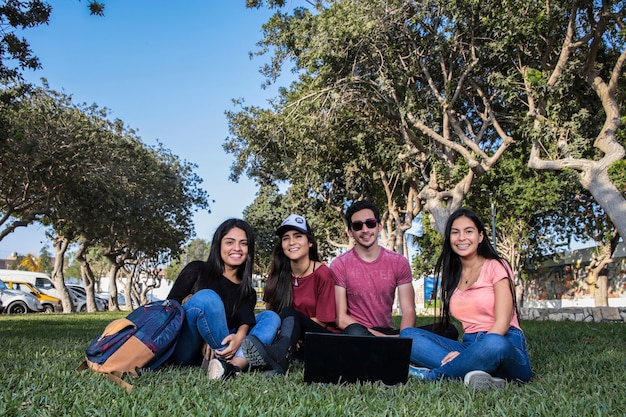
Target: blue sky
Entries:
(168, 70)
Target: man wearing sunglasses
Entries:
(366, 279)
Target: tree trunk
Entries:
(114, 304)
(593, 174)
(60, 247)
(130, 296)
(86, 274)
(599, 290)
(601, 297)
(612, 201)
(117, 260)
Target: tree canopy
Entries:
(424, 106)
(92, 181)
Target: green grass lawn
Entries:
(580, 370)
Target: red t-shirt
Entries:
(371, 286)
(314, 295)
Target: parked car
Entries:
(50, 304)
(14, 301)
(81, 295)
(39, 280)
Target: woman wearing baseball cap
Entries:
(301, 289)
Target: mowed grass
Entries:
(580, 370)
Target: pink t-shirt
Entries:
(315, 295)
(474, 307)
(371, 286)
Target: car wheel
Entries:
(18, 307)
(48, 308)
(83, 308)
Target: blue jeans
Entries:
(501, 356)
(205, 321)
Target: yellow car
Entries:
(50, 304)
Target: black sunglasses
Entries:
(358, 225)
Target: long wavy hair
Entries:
(448, 267)
(215, 263)
(278, 292)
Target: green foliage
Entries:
(270, 208)
(45, 261)
(265, 214)
(72, 269)
(196, 250)
(617, 174)
(96, 8)
(13, 50)
(429, 247)
(40, 354)
(536, 78)
(63, 162)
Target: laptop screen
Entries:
(340, 358)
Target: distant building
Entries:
(561, 280)
(6, 263)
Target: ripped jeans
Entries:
(205, 321)
(501, 356)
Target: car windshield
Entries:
(79, 290)
(3, 286)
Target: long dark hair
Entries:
(215, 263)
(278, 291)
(448, 267)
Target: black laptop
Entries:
(339, 358)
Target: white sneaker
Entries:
(481, 380)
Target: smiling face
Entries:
(365, 237)
(234, 249)
(295, 245)
(465, 237)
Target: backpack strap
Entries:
(112, 376)
(119, 381)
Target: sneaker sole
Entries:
(251, 353)
(216, 370)
(262, 353)
(484, 381)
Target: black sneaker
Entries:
(221, 369)
(260, 354)
(251, 353)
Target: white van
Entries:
(39, 280)
(43, 283)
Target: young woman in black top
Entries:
(219, 301)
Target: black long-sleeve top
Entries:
(194, 277)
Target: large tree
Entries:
(94, 182)
(401, 85)
(565, 60)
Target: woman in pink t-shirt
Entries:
(477, 289)
(301, 289)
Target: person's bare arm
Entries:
(503, 308)
(406, 296)
(341, 305)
